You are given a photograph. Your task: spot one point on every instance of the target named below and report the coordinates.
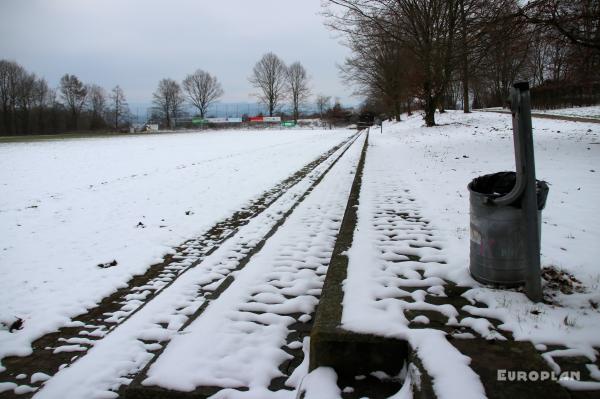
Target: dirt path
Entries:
(549, 116)
(57, 350)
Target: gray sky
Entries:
(135, 43)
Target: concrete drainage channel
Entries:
(349, 353)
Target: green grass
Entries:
(68, 136)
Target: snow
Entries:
(321, 383)
(406, 392)
(68, 205)
(414, 203)
(230, 345)
(389, 223)
(565, 157)
(121, 353)
(36, 377)
(452, 377)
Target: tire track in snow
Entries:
(55, 351)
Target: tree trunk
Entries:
(6, 118)
(430, 104)
(464, 58)
(398, 110)
(73, 120)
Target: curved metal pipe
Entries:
(520, 183)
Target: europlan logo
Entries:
(533, 375)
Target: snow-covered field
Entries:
(239, 348)
(67, 206)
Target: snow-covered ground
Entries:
(230, 346)
(73, 204)
(300, 265)
(67, 206)
(439, 162)
(414, 202)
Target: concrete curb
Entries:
(549, 116)
(349, 353)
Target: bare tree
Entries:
(424, 27)
(168, 100)
(73, 94)
(379, 68)
(475, 16)
(464, 55)
(25, 99)
(11, 75)
(323, 104)
(42, 100)
(297, 80)
(269, 77)
(507, 52)
(202, 90)
(576, 20)
(97, 105)
(119, 107)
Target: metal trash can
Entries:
(498, 234)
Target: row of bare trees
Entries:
(449, 52)
(200, 89)
(30, 105)
(276, 82)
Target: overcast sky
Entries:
(135, 43)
